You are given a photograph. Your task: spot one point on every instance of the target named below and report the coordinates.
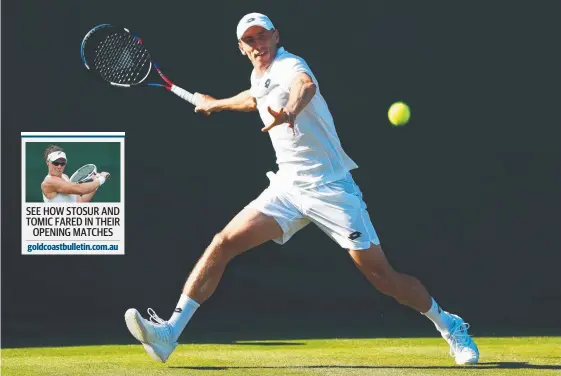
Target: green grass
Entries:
(411, 356)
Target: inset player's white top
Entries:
(61, 198)
(313, 155)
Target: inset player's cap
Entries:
(253, 19)
(55, 155)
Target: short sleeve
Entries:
(289, 68)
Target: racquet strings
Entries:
(120, 58)
(82, 173)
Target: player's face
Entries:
(56, 168)
(260, 45)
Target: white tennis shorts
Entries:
(337, 208)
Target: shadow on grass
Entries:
(236, 330)
(277, 343)
(490, 365)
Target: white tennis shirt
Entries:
(61, 198)
(314, 155)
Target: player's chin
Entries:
(263, 59)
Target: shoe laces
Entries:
(459, 338)
(162, 327)
(155, 318)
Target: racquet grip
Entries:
(182, 93)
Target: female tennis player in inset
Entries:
(57, 187)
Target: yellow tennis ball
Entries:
(399, 113)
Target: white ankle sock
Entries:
(439, 317)
(186, 307)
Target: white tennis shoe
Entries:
(462, 347)
(155, 334)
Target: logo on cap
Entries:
(250, 20)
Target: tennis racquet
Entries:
(85, 174)
(121, 59)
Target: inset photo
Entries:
(65, 172)
(73, 193)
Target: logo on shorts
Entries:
(355, 235)
(267, 83)
(178, 310)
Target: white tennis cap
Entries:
(56, 155)
(253, 19)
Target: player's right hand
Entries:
(205, 104)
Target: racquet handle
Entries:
(184, 94)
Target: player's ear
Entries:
(240, 47)
(276, 36)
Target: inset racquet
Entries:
(120, 58)
(85, 174)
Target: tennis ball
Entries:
(399, 113)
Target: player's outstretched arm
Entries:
(243, 102)
(302, 90)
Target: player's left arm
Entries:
(302, 90)
(89, 196)
(86, 197)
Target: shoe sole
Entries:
(158, 353)
(460, 363)
(131, 319)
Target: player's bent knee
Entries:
(224, 246)
(384, 283)
(382, 277)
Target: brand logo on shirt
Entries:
(178, 310)
(355, 235)
(267, 83)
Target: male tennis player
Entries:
(57, 187)
(313, 184)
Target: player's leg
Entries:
(246, 230)
(269, 217)
(339, 210)
(407, 290)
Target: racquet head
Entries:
(84, 174)
(116, 55)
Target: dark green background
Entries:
(105, 155)
(466, 197)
